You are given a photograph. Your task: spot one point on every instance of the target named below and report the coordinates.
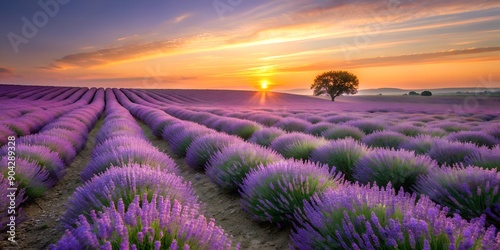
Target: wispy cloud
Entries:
(7, 73)
(420, 58)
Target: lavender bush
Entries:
(200, 151)
(180, 142)
(266, 136)
(125, 182)
(272, 193)
(469, 191)
(407, 129)
(162, 223)
(59, 145)
(341, 155)
(29, 176)
(343, 131)
(242, 128)
(421, 144)
(42, 156)
(385, 139)
(477, 137)
(296, 145)
(355, 217)
(340, 118)
(485, 158)
(318, 128)
(367, 126)
(450, 153)
(401, 168)
(291, 124)
(229, 167)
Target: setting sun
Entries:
(264, 85)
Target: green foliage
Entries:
(335, 83)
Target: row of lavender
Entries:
(402, 168)
(133, 197)
(28, 115)
(279, 191)
(41, 158)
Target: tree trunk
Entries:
(333, 97)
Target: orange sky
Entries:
(203, 44)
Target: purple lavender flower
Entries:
(59, 145)
(33, 178)
(385, 139)
(266, 136)
(5, 203)
(201, 149)
(273, 192)
(125, 155)
(367, 126)
(318, 128)
(470, 191)
(296, 145)
(421, 144)
(477, 137)
(401, 168)
(125, 182)
(341, 155)
(229, 167)
(343, 131)
(356, 217)
(407, 129)
(170, 131)
(291, 124)
(180, 142)
(41, 155)
(68, 123)
(450, 126)
(76, 139)
(485, 158)
(265, 118)
(241, 128)
(162, 223)
(340, 118)
(450, 153)
(5, 132)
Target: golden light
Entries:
(264, 84)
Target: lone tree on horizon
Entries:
(335, 83)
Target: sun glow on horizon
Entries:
(264, 85)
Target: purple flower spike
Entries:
(341, 154)
(296, 145)
(30, 176)
(200, 151)
(485, 158)
(477, 137)
(343, 131)
(121, 156)
(360, 217)
(229, 167)
(291, 124)
(162, 223)
(401, 168)
(125, 182)
(266, 136)
(385, 139)
(273, 192)
(450, 153)
(468, 191)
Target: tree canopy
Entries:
(335, 83)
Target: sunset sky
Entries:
(241, 44)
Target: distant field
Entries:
(273, 170)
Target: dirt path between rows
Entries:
(41, 227)
(225, 207)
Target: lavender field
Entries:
(213, 169)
